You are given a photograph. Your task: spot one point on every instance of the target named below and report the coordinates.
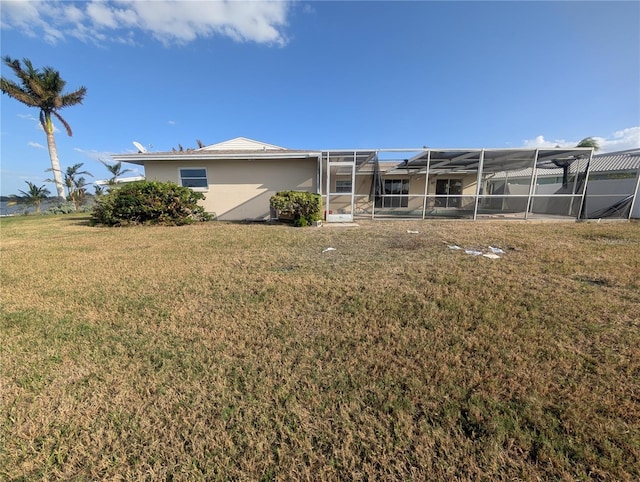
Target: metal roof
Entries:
(617, 161)
(628, 160)
(452, 161)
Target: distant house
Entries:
(120, 180)
(612, 190)
(614, 185)
(239, 176)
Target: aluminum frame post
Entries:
(534, 175)
(426, 186)
(583, 198)
(478, 179)
(634, 199)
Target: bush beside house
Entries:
(302, 207)
(149, 202)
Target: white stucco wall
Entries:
(241, 189)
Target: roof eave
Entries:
(140, 159)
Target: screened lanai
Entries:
(453, 183)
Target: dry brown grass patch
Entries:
(229, 351)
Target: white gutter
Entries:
(209, 156)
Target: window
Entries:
(195, 178)
(344, 186)
(395, 194)
(449, 193)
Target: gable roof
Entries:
(241, 144)
(237, 148)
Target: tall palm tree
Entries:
(115, 170)
(42, 89)
(35, 195)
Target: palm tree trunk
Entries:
(53, 154)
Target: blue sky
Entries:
(322, 75)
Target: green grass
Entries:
(242, 352)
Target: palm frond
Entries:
(73, 98)
(15, 91)
(64, 123)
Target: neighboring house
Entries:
(613, 189)
(613, 186)
(120, 180)
(239, 176)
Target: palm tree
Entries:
(71, 179)
(75, 182)
(589, 142)
(115, 170)
(79, 191)
(42, 89)
(35, 195)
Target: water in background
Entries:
(7, 210)
(10, 209)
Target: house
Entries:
(613, 185)
(613, 189)
(239, 176)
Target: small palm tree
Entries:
(589, 142)
(79, 191)
(35, 195)
(75, 183)
(42, 89)
(115, 170)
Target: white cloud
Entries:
(628, 138)
(30, 117)
(621, 140)
(20, 14)
(168, 21)
(102, 15)
(94, 155)
(36, 145)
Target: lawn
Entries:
(225, 351)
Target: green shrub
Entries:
(66, 207)
(304, 207)
(149, 202)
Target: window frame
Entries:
(195, 188)
(341, 190)
(391, 199)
